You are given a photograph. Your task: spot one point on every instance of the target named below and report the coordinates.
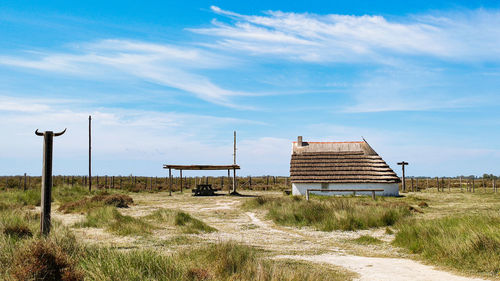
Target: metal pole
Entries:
(90, 153)
(234, 149)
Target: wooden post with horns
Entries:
(48, 138)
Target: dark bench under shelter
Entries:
(203, 189)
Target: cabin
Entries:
(340, 166)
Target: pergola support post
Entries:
(170, 181)
(181, 180)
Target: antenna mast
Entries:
(234, 149)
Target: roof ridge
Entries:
(331, 142)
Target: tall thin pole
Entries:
(234, 149)
(403, 164)
(90, 153)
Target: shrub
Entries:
(44, 260)
(19, 231)
(87, 204)
(117, 200)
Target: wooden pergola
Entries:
(202, 168)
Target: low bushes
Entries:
(331, 213)
(44, 260)
(87, 204)
(469, 243)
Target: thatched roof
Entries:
(338, 162)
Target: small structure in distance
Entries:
(346, 166)
(203, 189)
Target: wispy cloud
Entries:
(167, 65)
(465, 36)
(150, 136)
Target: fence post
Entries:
(307, 195)
(473, 185)
(24, 188)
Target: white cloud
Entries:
(171, 66)
(135, 140)
(467, 36)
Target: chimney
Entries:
(299, 141)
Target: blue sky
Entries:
(168, 82)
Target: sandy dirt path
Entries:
(383, 269)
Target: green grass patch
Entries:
(332, 213)
(184, 221)
(112, 220)
(470, 243)
(97, 201)
(221, 261)
(367, 240)
(17, 198)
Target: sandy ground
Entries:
(370, 262)
(386, 269)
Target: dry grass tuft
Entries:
(198, 274)
(44, 260)
(19, 231)
(86, 204)
(117, 200)
(423, 204)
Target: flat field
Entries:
(262, 235)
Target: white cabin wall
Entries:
(390, 189)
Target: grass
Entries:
(97, 201)
(469, 243)
(62, 257)
(17, 198)
(367, 240)
(15, 242)
(333, 213)
(111, 219)
(185, 222)
(220, 261)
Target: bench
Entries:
(204, 190)
(344, 190)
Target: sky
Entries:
(167, 82)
